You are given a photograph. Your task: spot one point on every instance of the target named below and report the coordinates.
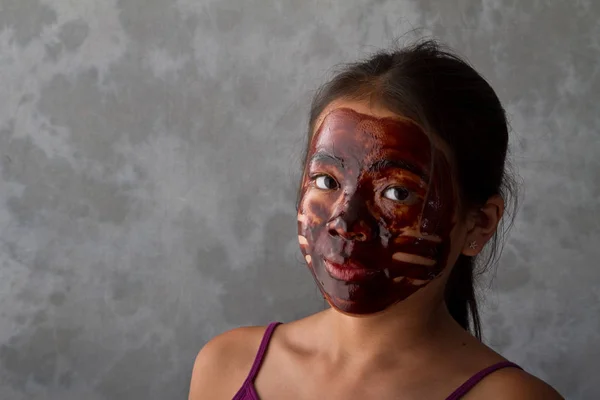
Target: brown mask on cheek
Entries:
(374, 219)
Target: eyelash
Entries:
(313, 179)
(410, 195)
(410, 198)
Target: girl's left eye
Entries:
(397, 193)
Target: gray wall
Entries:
(149, 154)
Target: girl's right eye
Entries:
(325, 182)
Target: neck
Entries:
(402, 329)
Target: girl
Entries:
(404, 183)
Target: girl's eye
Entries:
(325, 182)
(397, 193)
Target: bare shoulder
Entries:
(224, 362)
(513, 384)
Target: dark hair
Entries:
(447, 97)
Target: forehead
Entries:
(343, 127)
(376, 111)
(359, 131)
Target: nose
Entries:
(351, 221)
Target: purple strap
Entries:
(475, 379)
(247, 391)
(260, 355)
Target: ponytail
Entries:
(460, 296)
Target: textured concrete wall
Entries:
(149, 155)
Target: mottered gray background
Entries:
(149, 157)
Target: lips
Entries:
(349, 272)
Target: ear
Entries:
(482, 224)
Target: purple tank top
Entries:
(248, 392)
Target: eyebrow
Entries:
(327, 158)
(401, 164)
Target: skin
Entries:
(409, 347)
(372, 202)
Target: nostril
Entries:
(339, 227)
(360, 236)
(336, 227)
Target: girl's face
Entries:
(374, 219)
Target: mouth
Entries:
(349, 271)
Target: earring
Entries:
(473, 245)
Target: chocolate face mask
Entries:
(374, 219)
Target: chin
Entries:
(364, 309)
